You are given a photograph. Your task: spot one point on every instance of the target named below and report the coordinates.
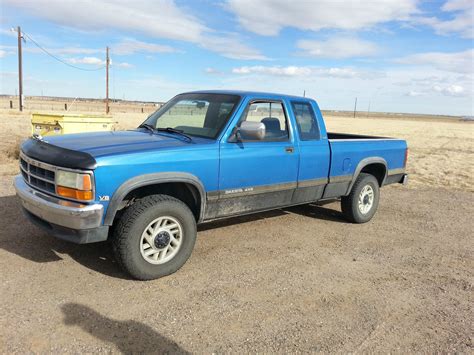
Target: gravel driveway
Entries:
(300, 279)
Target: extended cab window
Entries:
(202, 115)
(272, 115)
(305, 120)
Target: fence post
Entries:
(11, 104)
(65, 107)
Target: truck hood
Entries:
(99, 144)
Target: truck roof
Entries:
(249, 93)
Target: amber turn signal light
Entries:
(86, 182)
(73, 193)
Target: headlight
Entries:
(74, 185)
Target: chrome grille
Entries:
(38, 174)
(42, 176)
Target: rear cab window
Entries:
(305, 120)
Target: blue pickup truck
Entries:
(202, 156)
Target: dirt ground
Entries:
(300, 279)
(293, 280)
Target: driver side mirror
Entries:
(251, 131)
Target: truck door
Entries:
(258, 175)
(314, 154)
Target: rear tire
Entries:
(154, 237)
(362, 202)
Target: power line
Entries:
(57, 58)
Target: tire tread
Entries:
(347, 202)
(124, 225)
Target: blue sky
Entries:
(396, 55)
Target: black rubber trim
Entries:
(78, 236)
(362, 164)
(153, 179)
(394, 179)
(54, 155)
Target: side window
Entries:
(305, 120)
(272, 115)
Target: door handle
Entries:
(289, 150)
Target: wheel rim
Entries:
(161, 240)
(366, 199)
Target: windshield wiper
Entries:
(167, 129)
(148, 127)
(174, 130)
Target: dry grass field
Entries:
(441, 147)
(299, 279)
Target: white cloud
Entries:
(268, 17)
(231, 46)
(213, 71)
(273, 70)
(62, 51)
(155, 88)
(336, 88)
(306, 72)
(87, 60)
(75, 50)
(414, 93)
(8, 32)
(338, 48)
(342, 73)
(446, 90)
(462, 21)
(7, 50)
(459, 62)
(131, 46)
(451, 90)
(47, 43)
(160, 18)
(124, 65)
(155, 18)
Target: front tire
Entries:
(362, 202)
(154, 237)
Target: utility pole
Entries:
(355, 107)
(20, 70)
(304, 93)
(107, 61)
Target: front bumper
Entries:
(76, 222)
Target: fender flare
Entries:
(152, 179)
(362, 164)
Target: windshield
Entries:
(202, 115)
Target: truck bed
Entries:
(350, 152)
